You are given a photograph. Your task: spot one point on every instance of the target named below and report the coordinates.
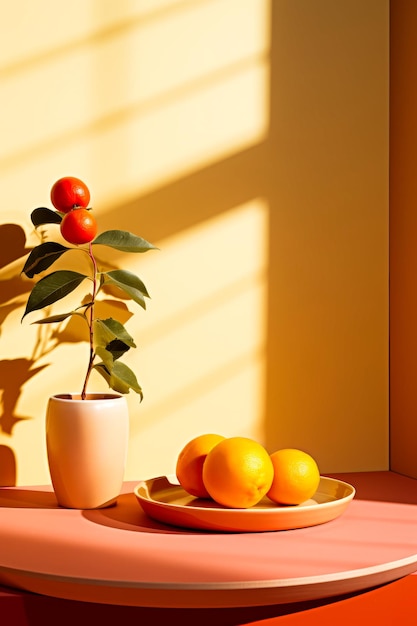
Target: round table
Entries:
(120, 556)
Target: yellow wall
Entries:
(328, 281)
(248, 139)
(403, 234)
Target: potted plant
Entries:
(86, 432)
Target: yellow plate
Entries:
(164, 500)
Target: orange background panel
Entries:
(403, 238)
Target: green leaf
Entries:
(130, 284)
(120, 378)
(42, 215)
(102, 334)
(42, 257)
(52, 288)
(124, 241)
(110, 330)
(106, 357)
(57, 318)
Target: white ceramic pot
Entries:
(87, 443)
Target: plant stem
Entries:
(90, 320)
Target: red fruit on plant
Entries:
(68, 193)
(78, 226)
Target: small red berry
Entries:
(68, 193)
(78, 226)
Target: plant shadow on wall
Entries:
(16, 372)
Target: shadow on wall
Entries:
(7, 467)
(14, 373)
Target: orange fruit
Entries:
(296, 476)
(189, 468)
(69, 192)
(238, 472)
(78, 226)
